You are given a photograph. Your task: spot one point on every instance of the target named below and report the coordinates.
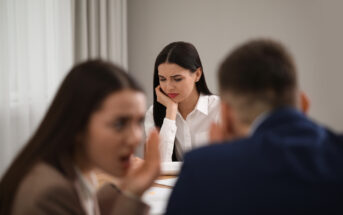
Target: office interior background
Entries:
(40, 40)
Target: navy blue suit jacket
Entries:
(290, 165)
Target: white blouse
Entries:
(189, 133)
(86, 191)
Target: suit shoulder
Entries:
(43, 176)
(218, 151)
(45, 187)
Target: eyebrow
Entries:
(123, 118)
(173, 76)
(128, 117)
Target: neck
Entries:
(186, 106)
(246, 129)
(83, 167)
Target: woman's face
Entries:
(177, 82)
(114, 131)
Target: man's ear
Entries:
(304, 102)
(198, 74)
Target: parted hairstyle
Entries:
(81, 93)
(262, 71)
(186, 56)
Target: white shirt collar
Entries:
(202, 104)
(88, 186)
(86, 190)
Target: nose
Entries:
(169, 86)
(134, 135)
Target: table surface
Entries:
(155, 197)
(164, 177)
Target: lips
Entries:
(172, 95)
(125, 161)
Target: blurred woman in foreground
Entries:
(93, 122)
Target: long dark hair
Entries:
(81, 93)
(185, 55)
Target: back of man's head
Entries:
(258, 76)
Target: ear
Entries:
(304, 102)
(198, 74)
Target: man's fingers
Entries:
(216, 133)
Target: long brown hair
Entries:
(81, 93)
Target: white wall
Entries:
(311, 29)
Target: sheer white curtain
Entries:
(100, 30)
(39, 42)
(36, 41)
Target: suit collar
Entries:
(258, 121)
(279, 116)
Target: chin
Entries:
(177, 100)
(113, 172)
(117, 170)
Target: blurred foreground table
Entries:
(156, 197)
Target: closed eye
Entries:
(161, 78)
(177, 78)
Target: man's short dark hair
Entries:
(262, 69)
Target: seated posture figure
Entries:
(184, 107)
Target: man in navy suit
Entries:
(275, 160)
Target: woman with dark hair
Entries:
(94, 122)
(183, 107)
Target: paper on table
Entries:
(168, 182)
(157, 199)
(170, 168)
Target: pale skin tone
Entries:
(113, 133)
(179, 90)
(230, 126)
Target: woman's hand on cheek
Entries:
(163, 98)
(141, 177)
(171, 106)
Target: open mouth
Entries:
(125, 161)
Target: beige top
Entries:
(44, 190)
